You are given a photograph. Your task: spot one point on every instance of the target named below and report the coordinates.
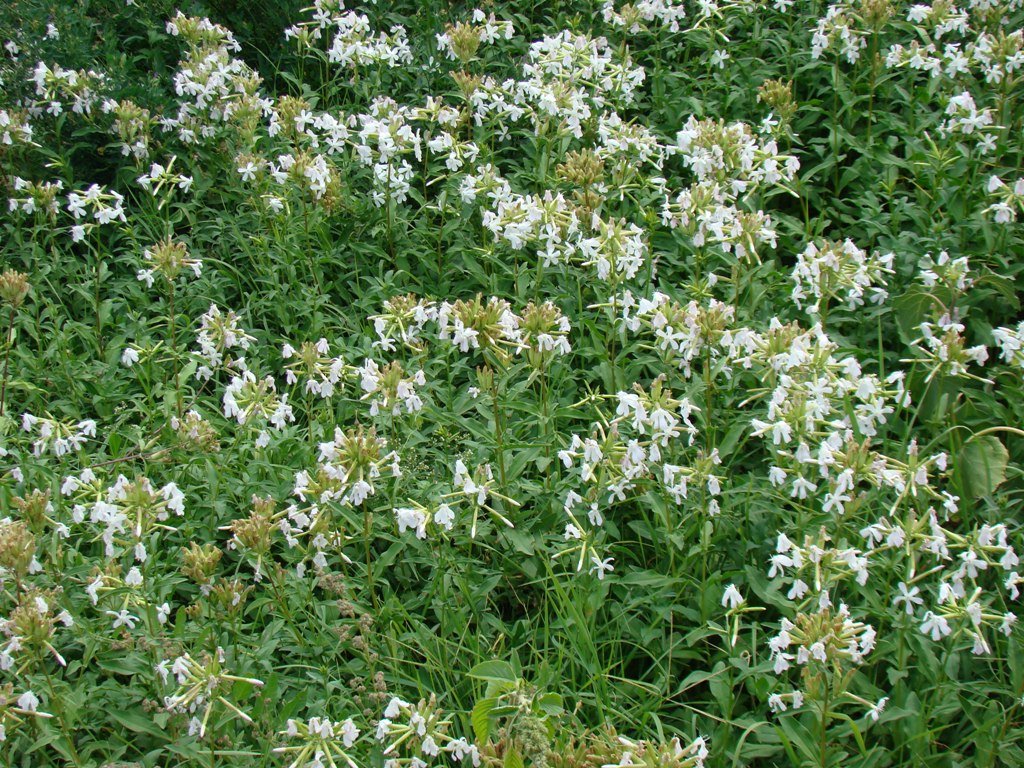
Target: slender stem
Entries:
(823, 734)
(546, 430)
(388, 213)
(440, 248)
(871, 87)
(709, 402)
(9, 338)
(612, 344)
(174, 349)
(55, 703)
(367, 528)
(309, 247)
(835, 126)
(499, 435)
(96, 297)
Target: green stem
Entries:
(9, 338)
(367, 529)
(709, 402)
(835, 127)
(499, 436)
(96, 302)
(174, 349)
(823, 732)
(58, 713)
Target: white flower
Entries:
(129, 357)
(444, 517)
(349, 732)
(876, 710)
(732, 597)
(936, 626)
(123, 619)
(601, 567)
(28, 701)
(909, 597)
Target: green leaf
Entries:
(494, 671)
(982, 463)
(910, 310)
(481, 719)
(134, 721)
(512, 759)
(551, 704)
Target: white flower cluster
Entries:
(1011, 344)
(15, 128)
(945, 351)
(456, 153)
(132, 508)
(57, 86)
(420, 734)
(842, 271)
(161, 177)
(353, 43)
(683, 334)
(57, 437)
(485, 28)
(218, 334)
(97, 203)
(386, 138)
(965, 121)
(322, 372)
(992, 58)
(824, 638)
(476, 488)
(389, 389)
(417, 518)
(476, 325)
(324, 742)
(569, 78)
(247, 399)
(941, 18)
(106, 206)
(729, 160)
(826, 565)
(216, 87)
(732, 154)
(639, 448)
(627, 148)
(198, 687)
(403, 319)
(672, 753)
(348, 466)
(1008, 200)
(634, 17)
(961, 561)
(132, 125)
(840, 30)
(942, 271)
(615, 248)
(39, 197)
(818, 408)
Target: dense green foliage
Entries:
(567, 384)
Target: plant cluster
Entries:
(569, 385)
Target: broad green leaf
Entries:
(551, 704)
(495, 671)
(982, 463)
(134, 721)
(512, 758)
(481, 719)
